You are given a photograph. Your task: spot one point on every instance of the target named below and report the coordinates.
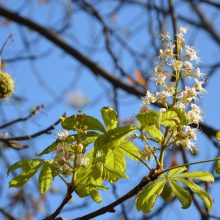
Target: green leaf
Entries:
(167, 193)
(154, 132)
(149, 118)
(182, 195)
(23, 177)
(96, 196)
(114, 166)
(111, 139)
(25, 165)
(200, 192)
(109, 117)
(50, 148)
(217, 166)
(218, 135)
(151, 190)
(86, 184)
(200, 175)
(182, 115)
(82, 121)
(177, 170)
(45, 178)
(130, 150)
(170, 119)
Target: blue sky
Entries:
(57, 71)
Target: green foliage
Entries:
(218, 135)
(217, 166)
(111, 139)
(146, 198)
(82, 121)
(45, 178)
(200, 192)
(183, 117)
(50, 148)
(182, 195)
(87, 184)
(29, 168)
(130, 150)
(154, 132)
(109, 117)
(149, 118)
(170, 119)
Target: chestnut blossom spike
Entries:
(191, 54)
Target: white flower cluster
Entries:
(65, 156)
(177, 64)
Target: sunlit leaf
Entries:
(177, 170)
(82, 121)
(149, 118)
(45, 178)
(110, 117)
(154, 132)
(170, 119)
(200, 192)
(182, 195)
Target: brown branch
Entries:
(33, 112)
(111, 207)
(54, 38)
(31, 136)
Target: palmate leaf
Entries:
(170, 119)
(45, 178)
(200, 175)
(147, 197)
(83, 121)
(130, 150)
(176, 171)
(182, 195)
(87, 185)
(149, 118)
(154, 132)
(111, 139)
(110, 117)
(24, 176)
(199, 191)
(25, 165)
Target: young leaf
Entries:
(200, 175)
(111, 139)
(82, 121)
(26, 165)
(217, 166)
(149, 204)
(45, 178)
(154, 132)
(182, 195)
(130, 150)
(50, 148)
(149, 118)
(23, 177)
(110, 117)
(152, 189)
(95, 196)
(218, 135)
(177, 170)
(200, 192)
(170, 119)
(182, 115)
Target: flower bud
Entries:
(6, 85)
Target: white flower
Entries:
(167, 52)
(195, 114)
(188, 94)
(165, 36)
(198, 74)
(179, 104)
(177, 65)
(161, 97)
(82, 160)
(188, 65)
(149, 98)
(62, 135)
(190, 132)
(183, 30)
(191, 53)
(199, 86)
